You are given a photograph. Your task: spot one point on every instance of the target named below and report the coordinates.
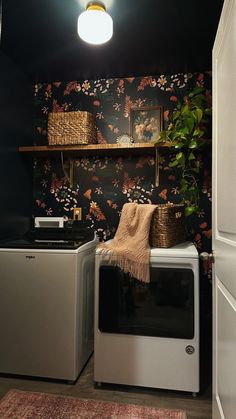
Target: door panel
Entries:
(225, 268)
(224, 215)
(226, 351)
(226, 145)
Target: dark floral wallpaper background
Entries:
(103, 184)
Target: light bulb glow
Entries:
(95, 26)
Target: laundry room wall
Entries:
(16, 128)
(103, 184)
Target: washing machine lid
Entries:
(50, 238)
(183, 250)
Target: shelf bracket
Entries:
(69, 170)
(157, 174)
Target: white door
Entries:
(224, 215)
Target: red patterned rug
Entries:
(26, 405)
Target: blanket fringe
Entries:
(130, 249)
(138, 269)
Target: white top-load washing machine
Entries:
(148, 334)
(46, 303)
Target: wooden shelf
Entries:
(97, 149)
(93, 149)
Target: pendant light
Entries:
(95, 25)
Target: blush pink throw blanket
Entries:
(130, 248)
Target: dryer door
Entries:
(162, 308)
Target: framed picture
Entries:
(146, 123)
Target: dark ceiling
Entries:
(150, 37)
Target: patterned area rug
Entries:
(26, 405)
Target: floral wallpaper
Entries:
(103, 184)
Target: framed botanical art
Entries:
(146, 123)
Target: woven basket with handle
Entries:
(66, 128)
(167, 226)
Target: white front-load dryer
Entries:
(148, 334)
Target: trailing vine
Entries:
(185, 133)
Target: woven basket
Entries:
(66, 128)
(167, 226)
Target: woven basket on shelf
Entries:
(66, 128)
(167, 227)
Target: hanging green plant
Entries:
(188, 125)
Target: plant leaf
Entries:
(179, 145)
(175, 135)
(184, 188)
(196, 91)
(185, 109)
(183, 182)
(199, 114)
(176, 114)
(196, 132)
(173, 163)
(179, 156)
(185, 131)
(189, 123)
(192, 144)
(191, 156)
(189, 210)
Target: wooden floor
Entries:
(196, 407)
